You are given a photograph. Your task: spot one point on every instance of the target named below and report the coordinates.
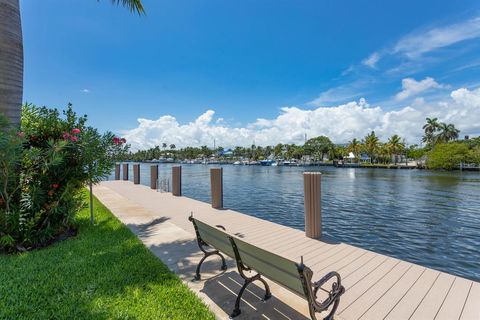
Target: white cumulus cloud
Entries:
(341, 123)
(412, 87)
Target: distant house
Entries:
(225, 153)
(365, 158)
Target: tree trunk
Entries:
(11, 60)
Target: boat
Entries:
(236, 163)
(266, 162)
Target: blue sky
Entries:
(298, 66)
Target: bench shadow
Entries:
(222, 287)
(223, 290)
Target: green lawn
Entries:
(104, 272)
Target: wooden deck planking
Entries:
(453, 305)
(434, 298)
(358, 285)
(471, 310)
(412, 298)
(390, 298)
(377, 286)
(370, 292)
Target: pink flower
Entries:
(75, 131)
(116, 140)
(21, 135)
(123, 140)
(55, 186)
(73, 138)
(66, 135)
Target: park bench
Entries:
(296, 277)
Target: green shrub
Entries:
(44, 170)
(448, 156)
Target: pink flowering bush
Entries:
(53, 158)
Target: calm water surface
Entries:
(429, 218)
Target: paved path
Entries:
(377, 286)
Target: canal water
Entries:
(428, 218)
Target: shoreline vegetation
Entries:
(104, 272)
(441, 149)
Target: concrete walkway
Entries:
(377, 286)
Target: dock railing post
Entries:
(125, 171)
(117, 171)
(153, 176)
(177, 181)
(313, 205)
(216, 184)
(136, 173)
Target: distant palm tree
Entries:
(11, 56)
(447, 132)
(430, 128)
(355, 147)
(371, 145)
(395, 146)
(172, 147)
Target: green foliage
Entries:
(438, 132)
(318, 147)
(371, 145)
(414, 152)
(43, 171)
(104, 272)
(448, 156)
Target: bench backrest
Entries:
(275, 267)
(214, 237)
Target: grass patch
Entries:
(104, 272)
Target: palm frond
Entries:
(132, 5)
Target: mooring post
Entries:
(136, 173)
(177, 181)
(153, 176)
(117, 171)
(125, 171)
(313, 205)
(216, 184)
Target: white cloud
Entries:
(418, 43)
(85, 90)
(412, 87)
(342, 93)
(340, 123)
(372, 60)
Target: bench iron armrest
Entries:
(311, 289)
(333, 294)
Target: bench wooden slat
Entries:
(272, 266)
(215, 237)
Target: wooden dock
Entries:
(377, 286)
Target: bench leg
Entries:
(208, 254)
(268, 294)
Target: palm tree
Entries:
(355, 147)
(447, 132)
(430, 128)
(371, 145)
(395, 146)
(11, 56)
